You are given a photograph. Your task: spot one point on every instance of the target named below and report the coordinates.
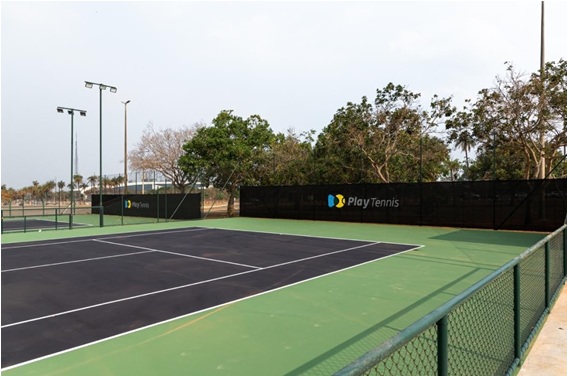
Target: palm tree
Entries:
(105, 183)
(453, 166)
(78, 179)
(35, 190)
(92, 180)
(83, 188)
(465, 142)
(60, 185)
(48, 187)
(118, 181)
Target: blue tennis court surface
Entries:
(58, 295)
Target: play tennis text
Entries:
(373, 202)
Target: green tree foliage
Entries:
(229, 153)
(525, 119)
(386, 141)
(288, 161)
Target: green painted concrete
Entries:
(311, 328)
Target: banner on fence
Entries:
(538, 205)
(170, 206)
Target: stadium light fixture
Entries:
(101, 87)
(71, 111)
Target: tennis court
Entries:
(239, 296)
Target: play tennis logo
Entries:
(129, 204)
(339, 201)
(336, 201)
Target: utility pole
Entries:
(542, 98)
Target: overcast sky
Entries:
(293, 63)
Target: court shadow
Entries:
(334, 359)
(525, 239)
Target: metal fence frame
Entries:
(509, 306)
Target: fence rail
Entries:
(486, 330)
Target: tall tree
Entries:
(160, 150)
(47, 189)
(527, 118)
(228, 153)
(60, 185)
(288, 160)
(383, 141)
(92, 180)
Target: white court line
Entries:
(5, 247)
(183, 286)
(177, 254)
(198, 312)
(74, 261)
(158, 232)
(311, 236)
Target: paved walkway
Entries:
(548, 356)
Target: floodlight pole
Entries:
(420, 176)
(126, 146)
(113, 89)
(71, 111)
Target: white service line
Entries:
(74, 261)
(5, 247)
(8, 246)
(177, 254)
(183, 286)
(159, 232)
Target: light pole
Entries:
(113, 89)
(71, 111)
(126, 146)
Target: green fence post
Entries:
(547, 275)
(165, 202)
(443, 346)
(517, 322)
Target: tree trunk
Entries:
(230, 206)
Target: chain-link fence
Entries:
(486, 330)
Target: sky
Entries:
(294, 63)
